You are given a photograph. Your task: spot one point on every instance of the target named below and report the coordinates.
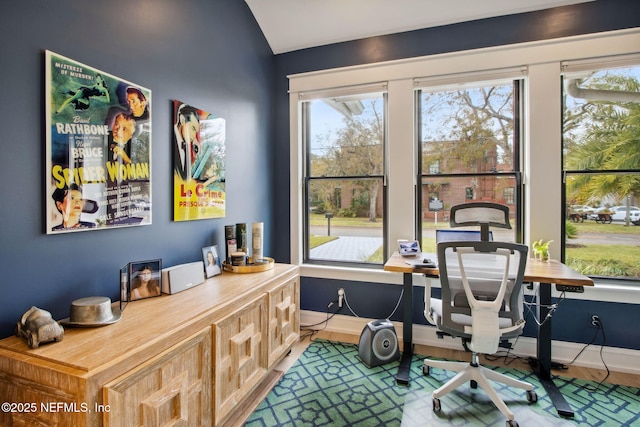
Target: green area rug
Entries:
(330, 386)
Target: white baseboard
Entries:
(617, 359)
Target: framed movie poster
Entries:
(198, 164)
(98, 148)
(211, 259)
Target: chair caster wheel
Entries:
(512, 423)
(436, 405)
(474, 384)
(532, 397)
(425, 370)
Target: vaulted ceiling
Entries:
(290, 25)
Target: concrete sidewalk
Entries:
(347, 248)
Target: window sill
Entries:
(350, 273)
(602, 291)
(609, 292)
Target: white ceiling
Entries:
(297, 24)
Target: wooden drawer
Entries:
(173, 388)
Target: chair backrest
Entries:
(482, 280)
(444, 235)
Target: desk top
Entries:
(536, 271)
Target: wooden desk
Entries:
(545, 273)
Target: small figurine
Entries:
(37, 326)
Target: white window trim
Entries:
(542, 135)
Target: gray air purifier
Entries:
(378, 343)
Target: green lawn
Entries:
(605, 260)
(590, 226)
(315, 241)
(319, 219)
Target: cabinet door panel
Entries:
(284, 319)
(173, 388)
(241, 355)
(41, 397)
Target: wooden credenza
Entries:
(187, 359)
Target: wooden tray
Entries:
(267, 264)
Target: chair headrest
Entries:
(480, 213)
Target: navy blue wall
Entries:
(566, 21)
(210, 54)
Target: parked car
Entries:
(580, 210)
(596, 211)
(620, 212)
(635, 217)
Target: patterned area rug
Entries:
(330, 386)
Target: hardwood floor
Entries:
(620, 378)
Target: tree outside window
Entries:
(472, 133)
(344, 146)
(601, 160)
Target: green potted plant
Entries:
(541, 250)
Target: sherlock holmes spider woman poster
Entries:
(98, 149)
(198, 164)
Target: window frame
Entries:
(518, 81)
(582, 66)
(308, 177)
(541, 135)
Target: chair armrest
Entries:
(519, 325)
(427, 300)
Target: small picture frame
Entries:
(143, 280)
(124, 286)
(211, 259)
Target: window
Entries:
(523, 169)
(472, 133)
(344, 193)
(509, 195)
(601, 163)
(468, 193)
(434, 168)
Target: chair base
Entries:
(480, 375)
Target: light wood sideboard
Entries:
(188, 359)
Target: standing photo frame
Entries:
(212, 263)
(124, 286)
(140, 280)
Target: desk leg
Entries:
(404, 370)
(544, 353)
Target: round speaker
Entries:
(378, 343)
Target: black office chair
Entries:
(481, 303)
